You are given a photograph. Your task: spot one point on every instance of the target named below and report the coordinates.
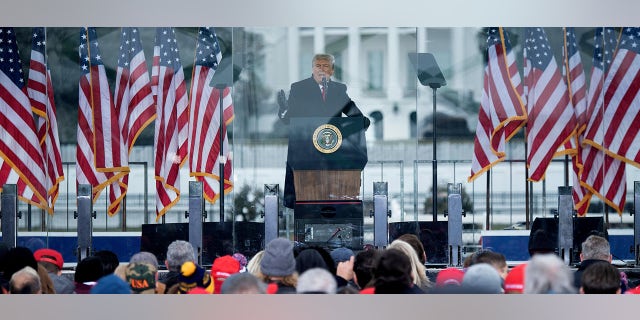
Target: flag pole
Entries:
(526, 182)
(221, 159)
(488, 199)
(566, 170)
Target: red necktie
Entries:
(324, 93)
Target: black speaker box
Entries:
(583, 227)
(434, 236)
(217, 238)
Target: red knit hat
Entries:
(514, 282)
(49, 255)
(221, 269)
(449, 276)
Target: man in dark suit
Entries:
(316, 96)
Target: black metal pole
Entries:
(435, 161)
(526, 183)
(221, 163)
(566, 170)
(488, 202)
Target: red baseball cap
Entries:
(449, 276)
(49, 255)
(222, 268)
(514, 282)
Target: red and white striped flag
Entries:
(621, 119)
(20, 152)
(133, 98)
(576, 83)
(502, 111)
(40, 90)
(602, 174)
(171, 131)
(204, 119)
(100, 157)
(551, 121)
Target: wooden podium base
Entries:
(327, 184)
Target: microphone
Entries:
(324, 82)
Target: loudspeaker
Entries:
(156, 238)
(217, 238)
(583, 227)
(432, 234)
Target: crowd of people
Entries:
(285, 268)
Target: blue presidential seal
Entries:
(327, 138)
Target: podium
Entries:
(327, 156)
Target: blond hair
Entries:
(418, 270)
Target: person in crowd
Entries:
(243, 283)
(448, 280)
(142, 277)
(111, 284)
(51, 260)
(149, 258)
(222, 268)
(495, 259)
(309, 258)
(481, 278)
(601, 278)
(178, 252)
(25, 281)
(88, 271)
(316, 280)
(46, 284)
(392, 274)
(253, 266)
(514, 282)
(343, 259)
(594, 250)
(278, 267)
(364, 264)
(193, 276)
(316, 96)
(109, 260)
(146, 257)
(416, 244)
(541, 242)
(547, 273)
(242, 259)
(15, 259)
(418, 270)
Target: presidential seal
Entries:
(327, 138)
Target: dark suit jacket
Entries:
(305, 100)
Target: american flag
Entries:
(40, 90)
(20, 152)
(133, 98)
(502, 112)
(551, 121)
(576, 83)
(602, 174)
(622, 102)
(171, 131)
(100, 157)
(204, 119)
